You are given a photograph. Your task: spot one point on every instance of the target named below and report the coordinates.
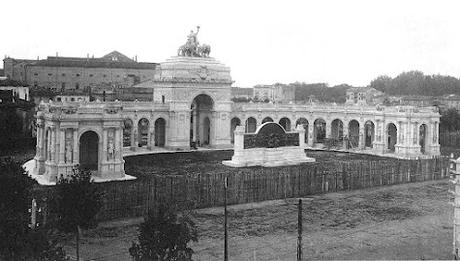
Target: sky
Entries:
(263, 42)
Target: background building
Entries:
(275, 93)
(113, 70)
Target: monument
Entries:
(269, 146)
(192, 107)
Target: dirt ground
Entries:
(409, 221)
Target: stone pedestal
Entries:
(267, 157)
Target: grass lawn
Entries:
(211, 161)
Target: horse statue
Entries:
(204, 50)
(184, 50)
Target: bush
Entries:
(164, 236)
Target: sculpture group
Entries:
(192, 47)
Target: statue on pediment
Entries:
(192, 47)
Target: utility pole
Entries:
(225, 221)
(299, 231)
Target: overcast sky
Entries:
(262, 41)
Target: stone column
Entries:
(361, 141)
(61, 146)
(328, 129)
(416, 133)
(345, 134)
(310, 134)
(301, 131)
(118, 143)
(104, 145)
(132, 138)
(76, 148)
(149, 136)
(195, 118)
(54, 152)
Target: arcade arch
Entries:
(127, 132)
(392, 134)
(337, 129)
(353, 133)
(369, 134)
(319, 131)
(267, 119)
(160, 132)
(285, 123)
(251, 125)
(304, 122)
(233, 123)
(143, 132)
(423, 138)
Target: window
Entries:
(105, 75)
(78, 75)
(63, 85)
(50, 74)
(90, 75)
(35, 74)
(35, 84)
(162, 98)
(58, 98)
(118, 76)
(72, 99)
(77, 86)
(63, 74)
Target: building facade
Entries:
(77, 74)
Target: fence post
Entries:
(299, 231)
(225, 221)
(455, 179)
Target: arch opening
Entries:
(143, 132)
(200, 120)
(337, 129)
(422, 138)
(233, 123)
(285, 123)
(319, 131)
(251, 125)
(89, 150)
(392, 133)
(160, 132)
(369, 132)
(267, 119)
(304, 123)
(127, 132)
(353, 134)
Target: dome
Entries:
(193, 69)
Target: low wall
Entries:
(135, 198)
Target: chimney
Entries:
(135, 58)
(56, 54)
(38, 58)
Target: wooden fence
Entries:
(135, 198)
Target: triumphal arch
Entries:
(192, 107)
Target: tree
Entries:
(76, 204)
(450, 120)
(19, 240)
(164, 236)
